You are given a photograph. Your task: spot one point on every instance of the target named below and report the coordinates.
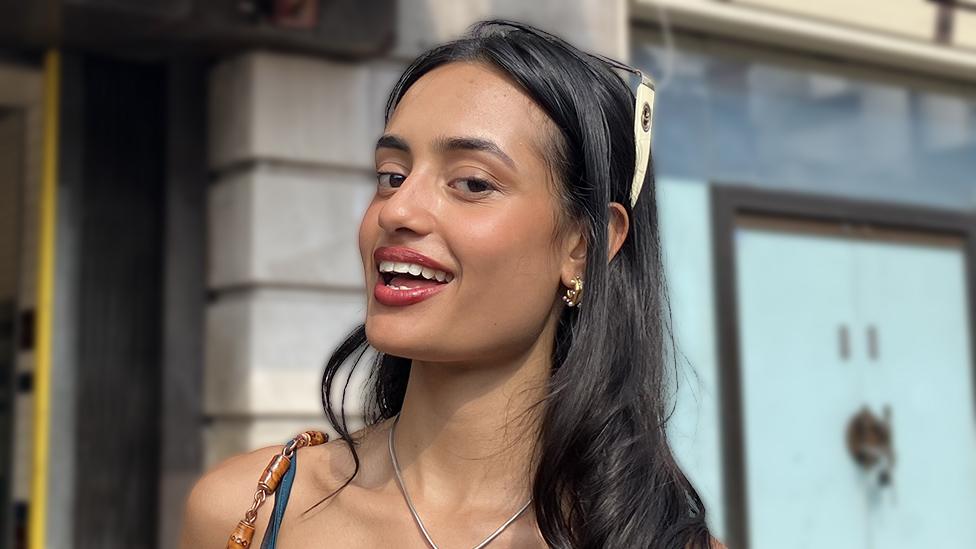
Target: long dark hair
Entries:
(605, 476)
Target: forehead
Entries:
(471, 99)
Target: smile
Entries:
(407, 277)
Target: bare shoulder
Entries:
(221, 496)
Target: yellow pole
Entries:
(44, 311)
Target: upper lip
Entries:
(406, 255)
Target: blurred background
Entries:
(181, 183)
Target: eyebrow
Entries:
(389, 141)
(450, 144)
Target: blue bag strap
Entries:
(281, 500)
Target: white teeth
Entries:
(414, 269)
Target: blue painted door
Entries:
(912, 302)
(830, 326)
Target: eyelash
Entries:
(389, 175)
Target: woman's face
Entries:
(463, 181)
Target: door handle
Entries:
(844, 341)
(870, 442)
(872, 342)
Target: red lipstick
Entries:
(394, 297)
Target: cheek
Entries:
(510, 269)
(368, 233)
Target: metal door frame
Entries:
(729, 200)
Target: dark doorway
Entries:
(116, 170)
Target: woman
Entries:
(506, 398)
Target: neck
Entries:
(467, 432)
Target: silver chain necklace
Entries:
(413, 510)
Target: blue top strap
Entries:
(281, 500)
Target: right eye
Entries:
(390, 179)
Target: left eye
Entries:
(476, 186)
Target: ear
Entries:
(617, 228)
(574, 259)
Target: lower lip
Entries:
(401, 298)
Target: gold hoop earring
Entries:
(574, 296)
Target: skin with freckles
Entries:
(463, 178)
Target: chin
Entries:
(389, 336)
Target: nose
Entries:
(410, 208)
